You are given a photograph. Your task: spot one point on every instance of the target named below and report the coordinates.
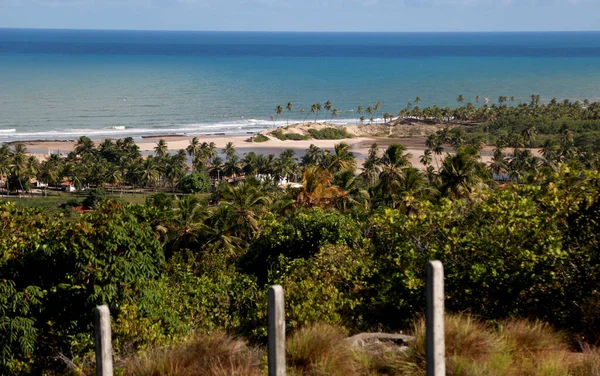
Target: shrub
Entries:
(196, 182)
(160, 200)
(329, 133)
(260, 138)
(331, 297)
(67, 267)
(289, 136)
(95, 196)
(214, 354)
(300, 236)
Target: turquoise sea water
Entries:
(57, 84)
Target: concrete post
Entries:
(436, 348)
(276, 315)
(104, 360)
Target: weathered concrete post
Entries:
(104, 359)
(436, 348)
(276, 315)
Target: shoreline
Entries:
(359, 143)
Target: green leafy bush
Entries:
(329, 133)
(67, 268)
(299, 236)
(289, 136)
(260, 138)
(95, 196)
(196, 182)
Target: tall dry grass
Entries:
(514, 347)
(208, 355)
(473, 348)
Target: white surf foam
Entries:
(232, 127)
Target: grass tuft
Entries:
(212, 355)
(320, 350)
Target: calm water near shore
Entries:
(57, 84)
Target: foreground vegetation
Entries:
(514, 347)
(349, 249)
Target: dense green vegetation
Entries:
(278, 133)
(350, 250)
(329, 133)
(260, 138)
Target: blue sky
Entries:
(305, 15)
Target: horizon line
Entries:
(304, 31)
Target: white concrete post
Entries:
(436, 348)
(104, 360)
(276, 316)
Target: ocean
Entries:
(61, 84)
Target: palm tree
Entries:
(187, 222)
(250, 164)
(161, 148)
(247, 204)
(194, 147)
(370, 166)
(289, 107)
(313, 156)
(84, 145)
(529, 134)
(232, 167)
(5, 168)
(328, 106)
(207, 152)
(408, 189)
(426, 158)
(229, 150)
(216, 169)
(522, 164)
(149, 172)
(113, 175)
(221, 232)
(417, 100)
(315, 108)
(477, 99)
(334, 113)
(460, 98)
(392, 163)
(317, 189)
(376, 108)
(370, 112)
(285, 165)
(278, 111)
(341, 160)
(360, 110)
(434, 143)
(106, 146)
(498, 164)
(350, 193)
(460, 172)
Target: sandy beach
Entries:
(364, 137)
